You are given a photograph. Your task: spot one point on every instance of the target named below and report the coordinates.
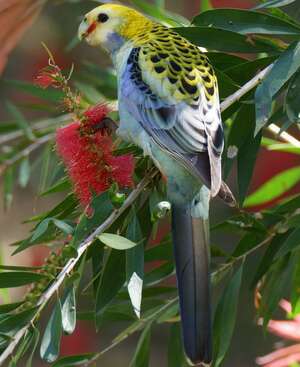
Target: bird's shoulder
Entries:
(173, 67)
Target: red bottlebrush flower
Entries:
(44, 80)
(88, 155)
(96, 114)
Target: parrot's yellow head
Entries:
(111, 25)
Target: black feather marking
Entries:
(206, 78)
(175, 66)
(159, 69)
(210, 91)
(191, 89)
(163, 55)
(155, 59)
(190, 77)
(172, 80)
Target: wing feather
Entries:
(177, 103)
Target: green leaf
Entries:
(9, 307)
(292, 99)
(243, 72)
(162, 15)
(295, 294)
(36, 337)
(283, 69)
(224, 321)
(205, 5)
(268, 258)
(63, 226)
(274, 4)
(175, 351)
(247, 242)
(142, 352)
(52, 95)
(62, 185)
(291, 244)
(135, 263)
(15, 322)
(102, 208)
(43, 226)
(163, 251)
(245, 22)
(68, 310)
(112, 279)
(276, 282)
(11, 279)
(115, 241)
(231, 42)
(72, 361)
(275, 187)
(159, 273)
(50, 344)
(288, 206)
(40, 229)
(246, 161)
(242, 144)
(24, 172)
(20, 120)
(23, 347)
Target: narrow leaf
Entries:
(275, 187)
(24, 172)
(50, 344)
(112, 280)
(11, 279)
(224, 321)
(36, 337)
(72, 361)
(245, 22)
(20, 120)
(291, 244)
(292, 99)
(68, 310)
(142, 352)
(283, 69)
(115, 241)
(175, 351)
(135, 264)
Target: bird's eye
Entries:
(102, 18)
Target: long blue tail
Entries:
(191, 249)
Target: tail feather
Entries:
(191, 240)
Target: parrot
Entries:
(169, 106)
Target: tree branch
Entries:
(67, 269)
(25, 152)
(37, 126)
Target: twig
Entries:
(288, 138)
(39, 125)
(72, 262)
(25, 152)
(245, 88)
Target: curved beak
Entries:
(85, 29)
